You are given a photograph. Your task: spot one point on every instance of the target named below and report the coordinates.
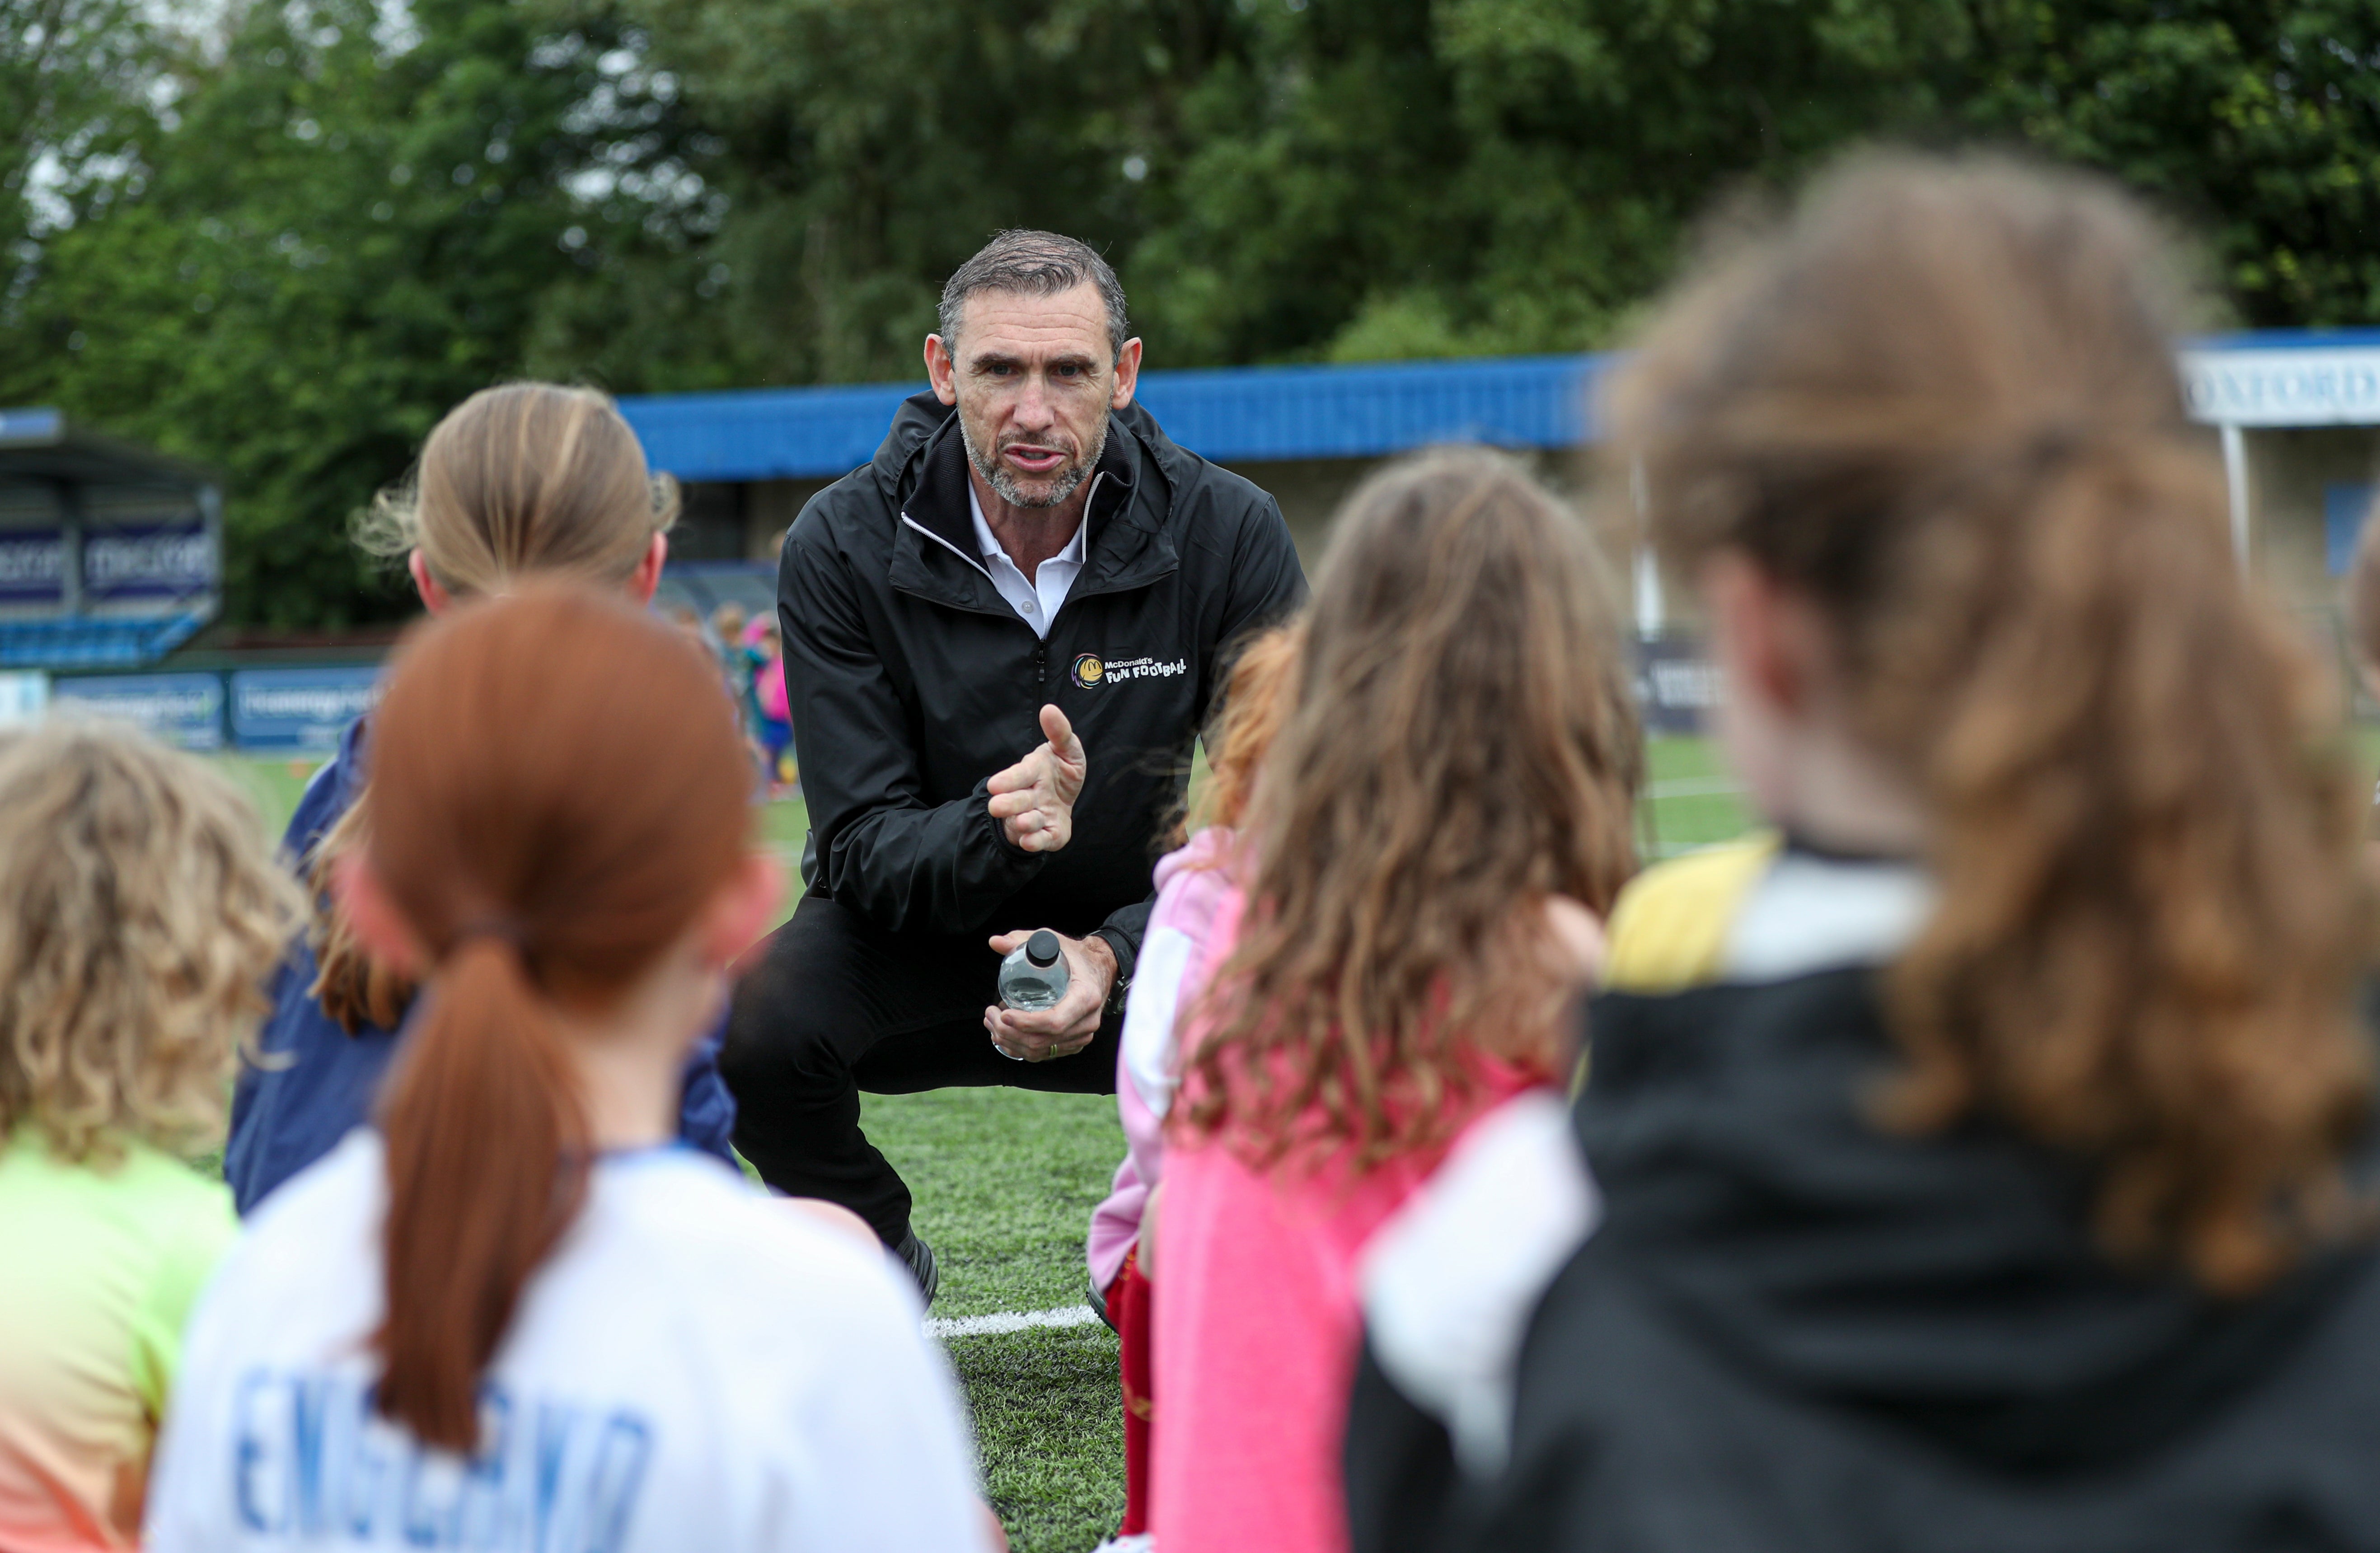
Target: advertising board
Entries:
(148, 561)
(299, 708)
(183, 710)
(33, 567)
(1677, 685)
(24, 697)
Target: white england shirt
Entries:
(695, 1368)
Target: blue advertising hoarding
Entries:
(148, 561)
(1678, 687)
(299, 708)
(182, 709)
(33, 567)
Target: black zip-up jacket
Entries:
(913, 681)
(1795, 1332)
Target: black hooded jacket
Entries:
(912, 681)
(1793, 1332)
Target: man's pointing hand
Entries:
(1034, 799)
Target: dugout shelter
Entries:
(110, 553)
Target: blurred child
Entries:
(772, 711)
(1445, 808)
(518, 1314)
(1191, 883)
(2000, 1188)
(727, 623)
(2363, 631)
(140, 911)
(523, 481)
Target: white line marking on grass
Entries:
(1009, 1321)
(1692, 787)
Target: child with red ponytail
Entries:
(519, 1315)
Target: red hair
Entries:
(1256, 698)
(558, 789)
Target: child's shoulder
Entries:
(750, 1274)
(1194, 879)
(137, 1181)
(716, 1227)
(1668, 929)
(131, 1206)
(179, 1192)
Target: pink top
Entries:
(1172, 969)
(1256, 1332)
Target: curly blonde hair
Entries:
(140, 909)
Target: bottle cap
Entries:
(1043, 948)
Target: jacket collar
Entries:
(935, 555)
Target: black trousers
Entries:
(835, 1005)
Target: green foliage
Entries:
(285, 250)
(867, 149)
(326, 240)
(71, 109)
(1004, 1183)
(2258, 125)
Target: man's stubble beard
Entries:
(1004, 482)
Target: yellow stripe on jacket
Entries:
(1668, 929)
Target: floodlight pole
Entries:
(70, 537)
(1650, 607)
(2235, 480)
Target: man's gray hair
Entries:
(1034, 264)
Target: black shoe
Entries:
(918, 1257)
(1098, 1302)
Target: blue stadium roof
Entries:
(1265, 414)
(1231, 415)
(2288, 339)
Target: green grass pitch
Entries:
(1004, 1183)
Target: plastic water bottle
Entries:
(1034, 975)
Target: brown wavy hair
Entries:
(140, 910)
(527, 479)
(1462, 745)
(1940, 401)
(558, 790)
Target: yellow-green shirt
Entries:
(98, 1267)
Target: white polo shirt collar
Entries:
(1034, 599)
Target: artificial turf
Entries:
(1004, 1181)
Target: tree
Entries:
(287, 252)
(1394, 177)
(336, 234)
(73, 75)
(2257, 125)
(865, 150)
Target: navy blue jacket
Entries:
(287, 1116)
